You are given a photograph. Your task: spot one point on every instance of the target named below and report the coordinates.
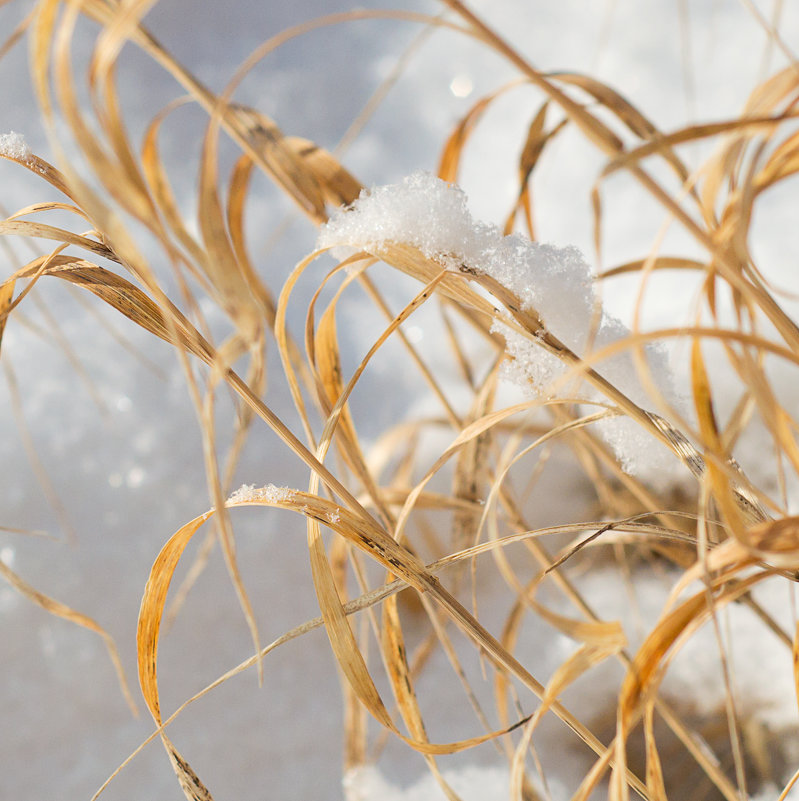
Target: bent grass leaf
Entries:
(649, 663)
(537, 140)
(719, 483)
(451, 155)
(6, 297)
(339, 187)
(61, 610)
(125, 297)
(150, 616)
(282, 159)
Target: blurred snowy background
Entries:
(116, 432)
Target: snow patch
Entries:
(472, 783)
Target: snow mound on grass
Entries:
(555, 282)
(14, 146)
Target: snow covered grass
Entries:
(552, 283)
(577, 561)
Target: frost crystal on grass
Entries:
(270, 494)
(555, 282)
(14, 146)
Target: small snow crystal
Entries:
(270, 493)
(14, 146)
(555, 282)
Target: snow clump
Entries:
(432, 215)
(14, 146)
(554, 282)
(247, 493)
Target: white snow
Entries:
(422, 210)
(14, 146)
(247, 493)
(527, 367)
(473, 783)
(433, 216)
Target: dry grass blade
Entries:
(452, 153)
(150, 616)
(400, 675)
(123, 296)
(226, 274)
(43, 169)
(42, 231)
(325, 358)
(534, 145)
(654, 771)
(569, 671)
(159, 185)
(694, 133)
(635, 121)
(58, 609)
(795, 660)
(190, 783)
(324, 348)
(715, 449)
(650, 661)
(16, 34)
(284, 160)
(657, 263)
(470, 476)
(152, 608)
(342, 640)
(236, 204)
(339, 187)
(608, 635)
(6, 296)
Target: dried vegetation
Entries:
(429, 523)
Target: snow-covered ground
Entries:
(118, 437)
